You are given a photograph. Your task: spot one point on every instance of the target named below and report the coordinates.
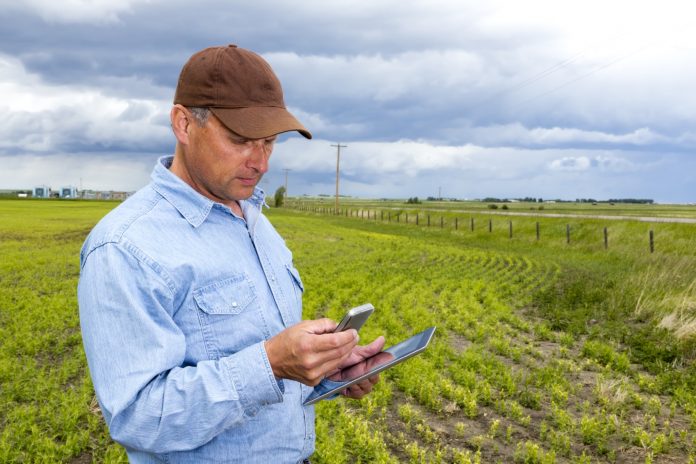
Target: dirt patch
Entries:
(459, 342)
(84, 458)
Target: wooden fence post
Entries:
(490, 225)
(567, 233)
(472, 224)
(456, 223)
(428, 220)
(652, 241)
(510, 223)
(442, 222)
(537, 231)
(606, 239)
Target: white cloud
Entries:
(417, 168)
(97, 171)
(484, 98)
(411, 75)
(517, 134)
(318, 124)
(49, 118)
(606, 163)
(569, 163)
(79, 11)
(373, 159)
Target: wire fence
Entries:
(455, 223)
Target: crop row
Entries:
(495, 384)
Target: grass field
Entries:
(546, 351)
(585, 209)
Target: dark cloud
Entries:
(490, 74)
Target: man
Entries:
(190, 305)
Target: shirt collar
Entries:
(193, 206)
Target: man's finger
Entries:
(335, 341)
(363, 352)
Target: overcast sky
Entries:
(468, 98)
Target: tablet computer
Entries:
(372, 365)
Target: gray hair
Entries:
(200, 114)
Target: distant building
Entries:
(42, 191)
(68, 192)
(120, 195)
(103, 195)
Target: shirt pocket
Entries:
(229, 315)
(229, 296)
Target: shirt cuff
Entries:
(253, 379)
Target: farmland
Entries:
(547, 350)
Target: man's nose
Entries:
(258, 158)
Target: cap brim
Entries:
(259, 122)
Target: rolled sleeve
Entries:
(255, 389)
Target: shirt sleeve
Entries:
(135, 351)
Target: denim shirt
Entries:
(177, 295)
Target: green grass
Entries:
(545, 351)
(47, 409)
(604, 209)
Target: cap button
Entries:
(232, 46)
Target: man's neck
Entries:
(236, 208)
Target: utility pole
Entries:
(338, 161)
(286, 183)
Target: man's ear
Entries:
(180, 119)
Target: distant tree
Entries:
(493, 206)
(279, 196)
(413, 200)
(505, 206)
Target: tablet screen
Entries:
(372, 365)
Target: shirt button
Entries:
(234, 304)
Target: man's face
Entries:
(223, 166)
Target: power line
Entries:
(582, 76)
(530, 80)
(554, 69)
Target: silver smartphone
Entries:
(355, 318)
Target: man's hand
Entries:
(361, 359)
(308, 351)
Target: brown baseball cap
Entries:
(241, 90)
